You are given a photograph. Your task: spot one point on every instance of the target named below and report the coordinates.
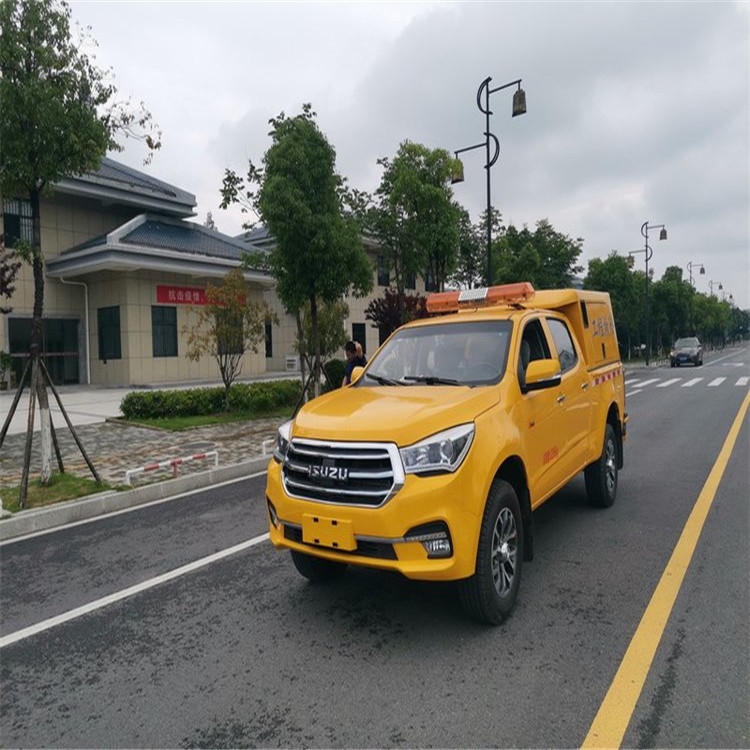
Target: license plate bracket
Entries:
(328, 532)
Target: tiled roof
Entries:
(257, 238)
(115, 183)
(158, 243)
(185, 237)
(115, 172)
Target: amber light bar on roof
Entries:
(505, 294)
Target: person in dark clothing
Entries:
(354, 358)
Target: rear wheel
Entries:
(316, 569)
(490, 594)
(601, 476)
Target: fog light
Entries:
(434, 537)
(439, 547)
(272, 514)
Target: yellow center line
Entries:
(616, 710)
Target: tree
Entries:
(59, 114)
(544, 257)
(390, 311)
(331, 332)
(613, 275)
(229, 325)
(472, 251)
(415, 219)
(9, 267)
(671, 307)
(318, 255)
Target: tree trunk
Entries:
(36, 338)
(316, 344)
(302, 353)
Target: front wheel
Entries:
(316, 569)
(601, 476)
(490, 594)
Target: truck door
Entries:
(541, 418)
(574, 393)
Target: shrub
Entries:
(250, 398)
(334, 372)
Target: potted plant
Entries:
(5, 363)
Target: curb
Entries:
(42, 519)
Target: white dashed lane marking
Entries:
(638, 385)
(691, 382)
(669, 382)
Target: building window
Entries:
(384, 276)
(410, 281)
(430, 283)
(359, 334)
(17, 221)
(269, 341)
(108, 324)
(164, 331)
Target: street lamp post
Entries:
(483, 103)
(690, 270)
(711, 286)
(649, 253)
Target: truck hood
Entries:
(403, 415)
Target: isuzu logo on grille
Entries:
(328, 472)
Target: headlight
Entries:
(442, 452)
(283, 436)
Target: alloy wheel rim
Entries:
(504, 552)
(611, 466)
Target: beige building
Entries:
(124, 272)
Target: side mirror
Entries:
(541, 374)
(356, 374)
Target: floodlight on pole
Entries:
(648, 254)
(492, 149)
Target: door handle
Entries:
(561, 398)
(584, 386)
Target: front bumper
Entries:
(383, 537)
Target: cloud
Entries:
(636, 110)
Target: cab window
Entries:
(533, 346)
(566, 350)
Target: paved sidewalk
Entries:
(115, 447)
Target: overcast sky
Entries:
(637, 111)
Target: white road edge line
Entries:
(131, 509)
(40, 627)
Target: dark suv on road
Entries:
(686, 351)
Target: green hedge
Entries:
(334, 372)
(246, 398)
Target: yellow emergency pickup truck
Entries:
(431, 463)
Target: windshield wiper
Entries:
(431, 380)
(383, 381)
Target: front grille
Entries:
(365, 548)
(365, 474)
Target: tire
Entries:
(316, 569)
(601, 476)
(490, 594)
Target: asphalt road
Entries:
(242, 652)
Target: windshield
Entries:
(686, 343)
(472, 353)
